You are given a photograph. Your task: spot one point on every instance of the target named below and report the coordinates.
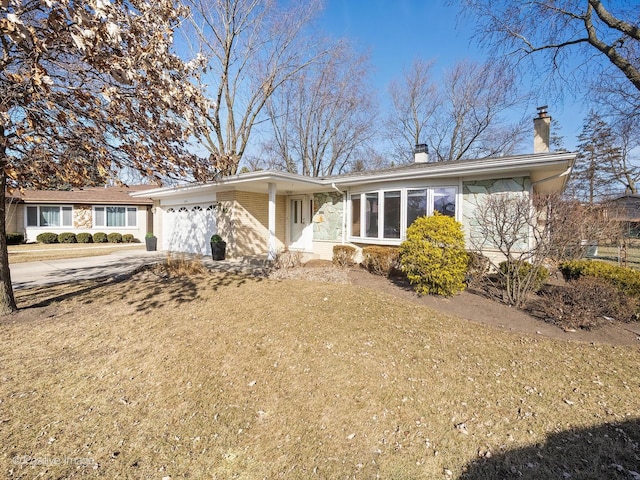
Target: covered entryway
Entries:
(188, 228)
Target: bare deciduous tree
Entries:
(98, 79)
(414, 99)
(580, 39)
(324, 116)
(528, 233)
(464, 118)
(252, 48)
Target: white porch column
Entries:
(271, 255)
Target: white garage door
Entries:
(188, 228)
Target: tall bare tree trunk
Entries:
(7, 300)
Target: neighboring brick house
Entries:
(94, 209)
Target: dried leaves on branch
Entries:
(91, 87)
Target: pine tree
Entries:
(597, 151)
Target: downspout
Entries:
(344, 211)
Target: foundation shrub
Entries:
(128, 238)
(344, 255)
(114, 237)
(47, 237)
(478, 267)
(520, 272)
(288, 259)
(67, 237)
(585, 303)
(380, 260)
(625, 279)
(434, 257)
(84, 237)
(15, 238)
(99, 237)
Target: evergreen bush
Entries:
(433, 256)
(128, 238)
(15, 238)
(114, 237)
(521, 272)
(67, 237)
(99, 237)
(47, 237)
(84, 237)
(625, 279)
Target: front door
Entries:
(300, 229)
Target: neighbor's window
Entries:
(392, 214)
(115, 216)
(49, 216)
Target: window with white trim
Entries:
(384, 215)
(115, 217)
(49, 216)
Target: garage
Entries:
(188, 228)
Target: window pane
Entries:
(99, 217)
(444, 201)
(392, 214)
(115, 217)
(355, 215)
(67, 216)
(49, 216)
(416, 205)
(132, 214)
(371, 216)
(32, 216)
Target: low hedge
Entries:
(128, 238)
(99, 237)
(84, 237)
(625, 279)
(67, 237)
(114, 237)
(47, 237)
(344, 255)
(381, 260)
(15, 238)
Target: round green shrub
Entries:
(99, 237)
(128, 238)
(433, 255)
(114, 237)
(47, 237)
(84, 237)
(520, 271)
(15, 238)
(67, 237)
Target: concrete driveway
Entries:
(50, 272)
(114, 265)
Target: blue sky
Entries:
(395, 32)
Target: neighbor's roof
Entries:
(117, 195)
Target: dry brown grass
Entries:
(35, 252)
(177, 265)
(232, 377)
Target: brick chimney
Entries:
(421, 153)
(541, 131)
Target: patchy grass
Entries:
(231, 377)
(35, 252)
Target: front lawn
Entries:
(229, 377)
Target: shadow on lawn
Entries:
(143, 288)
(610, 450)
